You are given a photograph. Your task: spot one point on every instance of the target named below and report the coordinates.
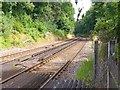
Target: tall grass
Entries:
(85, 72)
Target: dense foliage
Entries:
(100, 20)
(24, 22)
(86, 24)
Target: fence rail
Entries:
(105, 70)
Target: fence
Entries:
(105, 65)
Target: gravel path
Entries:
(85, 54)
(67, 78)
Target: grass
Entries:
(85, 72)
(23, 40)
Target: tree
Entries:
(33, 20)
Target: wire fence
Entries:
(105, 66)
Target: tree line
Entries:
(31, 20)
(101, 20)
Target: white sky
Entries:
(85, 4)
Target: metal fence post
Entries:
(95, 58)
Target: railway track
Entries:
(39, 75)
(16, 67)
(51, 81)
(39, 60)
(27, 53)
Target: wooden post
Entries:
(118, 41)
(108, 71)
(95, 58)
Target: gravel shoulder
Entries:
(85, 54)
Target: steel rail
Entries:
(45, 60)
(17, 53)
(61, 69)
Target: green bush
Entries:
(18, 26)
(27, 22)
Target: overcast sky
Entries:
(85, 4)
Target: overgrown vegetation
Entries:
(101, 20)
(27, 22)
(85, 72)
